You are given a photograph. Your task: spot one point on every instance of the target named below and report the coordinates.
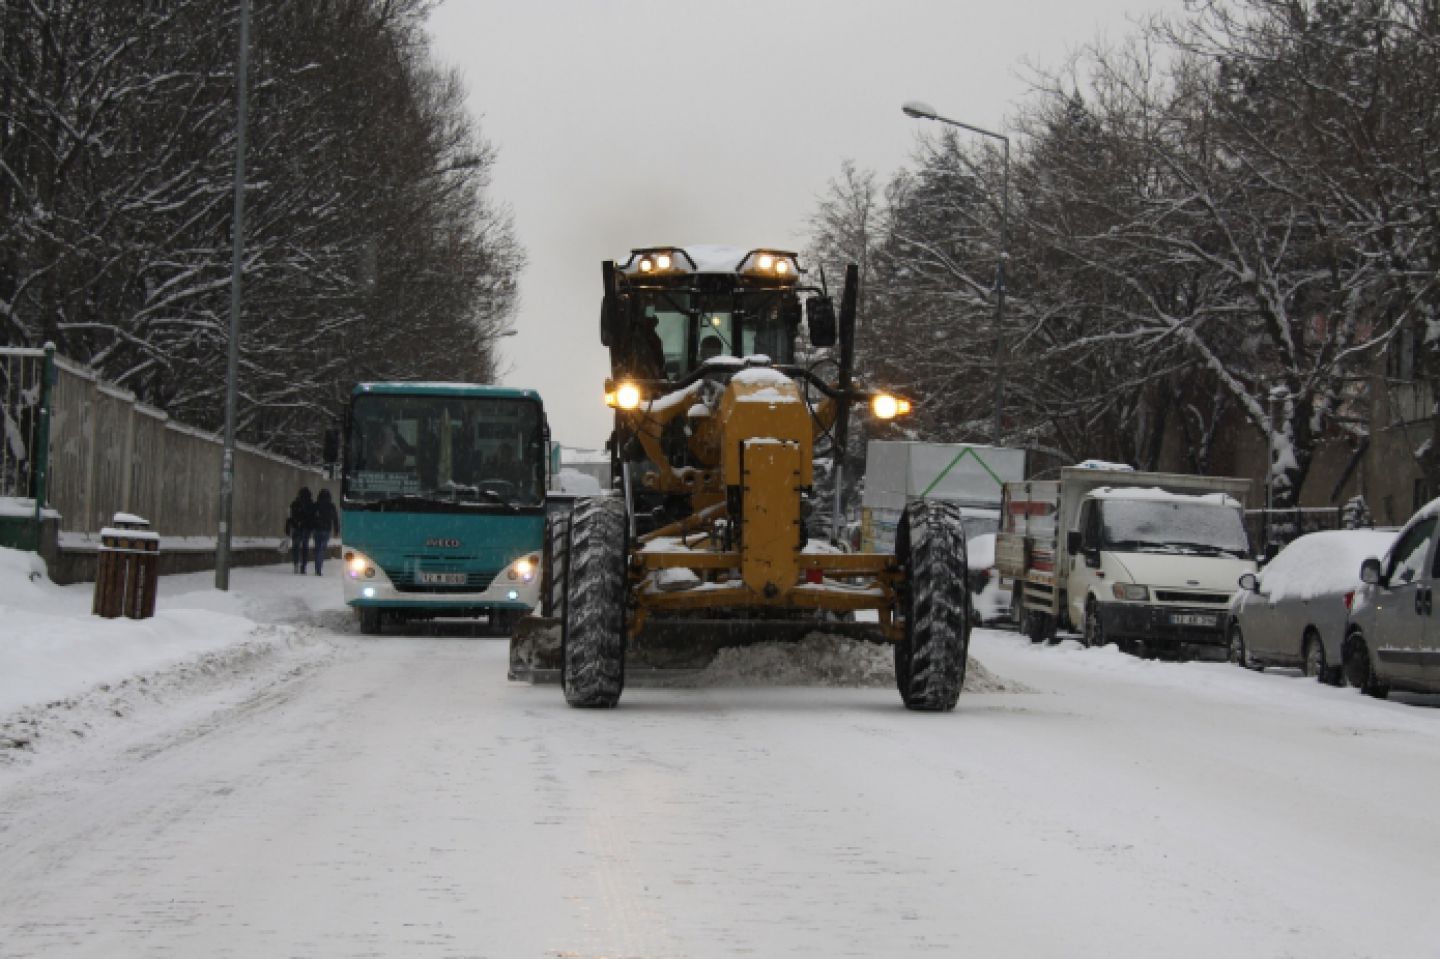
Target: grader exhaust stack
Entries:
(705, 542)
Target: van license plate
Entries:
(1193, 619)
(443, 579)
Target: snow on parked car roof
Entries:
(1320, 564)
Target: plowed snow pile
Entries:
(818, 660)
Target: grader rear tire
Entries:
(556, 558)
(930, 660)
(592, 644)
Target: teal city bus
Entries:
(442, 502)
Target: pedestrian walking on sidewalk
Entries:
(327, 521)
(298, 525)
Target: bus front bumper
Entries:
(367, 585)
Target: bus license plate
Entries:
(1193, 619)
(443, 579)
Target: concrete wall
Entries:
(112, 454)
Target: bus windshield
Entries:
(444, 449)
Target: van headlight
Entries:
(1130, 592)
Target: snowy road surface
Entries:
(398, 797)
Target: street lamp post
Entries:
(923, 111)
(237, 250)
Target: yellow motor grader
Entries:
(703, 543)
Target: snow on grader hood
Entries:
(703, 544)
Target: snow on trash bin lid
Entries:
(134, 535)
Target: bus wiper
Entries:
(490, 494)
(404, 499)
(454, 488)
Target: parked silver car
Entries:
(1394, 637)
(1294, 611)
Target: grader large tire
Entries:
(592, 644)
(930, 660)
(553, 566)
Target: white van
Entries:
(1146, 560)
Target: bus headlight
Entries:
(358, 565)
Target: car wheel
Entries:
(1237, 653)
(1317, 665)
(1360, 671)
(1094, 634)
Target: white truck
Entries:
(973, 477)
(1148, 561)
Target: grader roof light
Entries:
(769, 264)
(659, 261)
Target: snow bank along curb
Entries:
(271, 655)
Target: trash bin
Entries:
(126, 569)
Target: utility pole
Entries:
(237, 252)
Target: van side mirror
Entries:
(1073, 541)
(820, 314)
(1370, 572)
(1250, 582)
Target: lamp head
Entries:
(919, 110)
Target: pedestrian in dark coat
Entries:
(327, 521)
(298, 525)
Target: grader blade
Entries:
(694, 643)
(672, 645)
(535, 650)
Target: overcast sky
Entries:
(628, 123)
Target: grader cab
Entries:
(705, 542)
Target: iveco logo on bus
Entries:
(443, 543)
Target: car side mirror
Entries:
(1250, 582)
(1370, 572)
(820, 314)
(1073, 541)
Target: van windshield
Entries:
(1173, 526)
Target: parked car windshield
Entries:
(1173, 526)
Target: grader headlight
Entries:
(628, 396)
(887, 407)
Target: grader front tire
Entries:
(930, 660)
(593, 630)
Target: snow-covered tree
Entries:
(372, 248)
